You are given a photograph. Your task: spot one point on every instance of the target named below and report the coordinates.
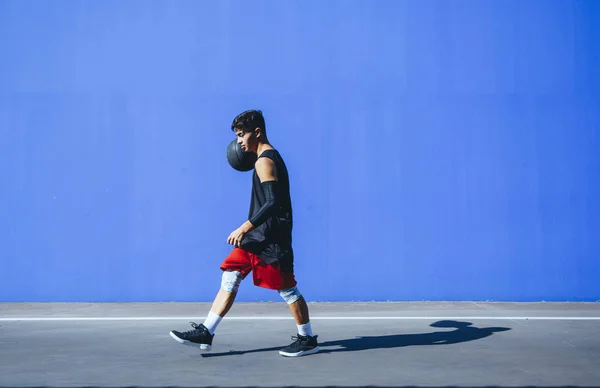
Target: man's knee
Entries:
(290, 295)
(230, 281)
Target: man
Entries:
(262, 245)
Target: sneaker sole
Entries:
(301, 353)
(189, 343)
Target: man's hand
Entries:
(235, 238)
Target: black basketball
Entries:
(238, 158)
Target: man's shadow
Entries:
(463, 332)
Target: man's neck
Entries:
(262, 147)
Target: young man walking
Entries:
(262, 245)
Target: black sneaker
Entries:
(302, 346)
(199, 336)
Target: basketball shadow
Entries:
(463, 332)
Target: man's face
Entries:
(247, 140)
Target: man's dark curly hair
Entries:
(249, 120)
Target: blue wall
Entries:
(439, 150)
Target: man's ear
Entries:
(257, 132)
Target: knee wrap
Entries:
(231, 281)
(290, 295)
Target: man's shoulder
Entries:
(269, 152)
(273, 155)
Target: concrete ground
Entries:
(363, 344)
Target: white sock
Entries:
(305, 329)
(212, 321)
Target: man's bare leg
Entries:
(224, 299)
(223, 302)
(203, 334)
(299, 310)
(305, 343)
(220, 307)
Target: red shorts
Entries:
(263, 274)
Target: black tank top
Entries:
(272, 240)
